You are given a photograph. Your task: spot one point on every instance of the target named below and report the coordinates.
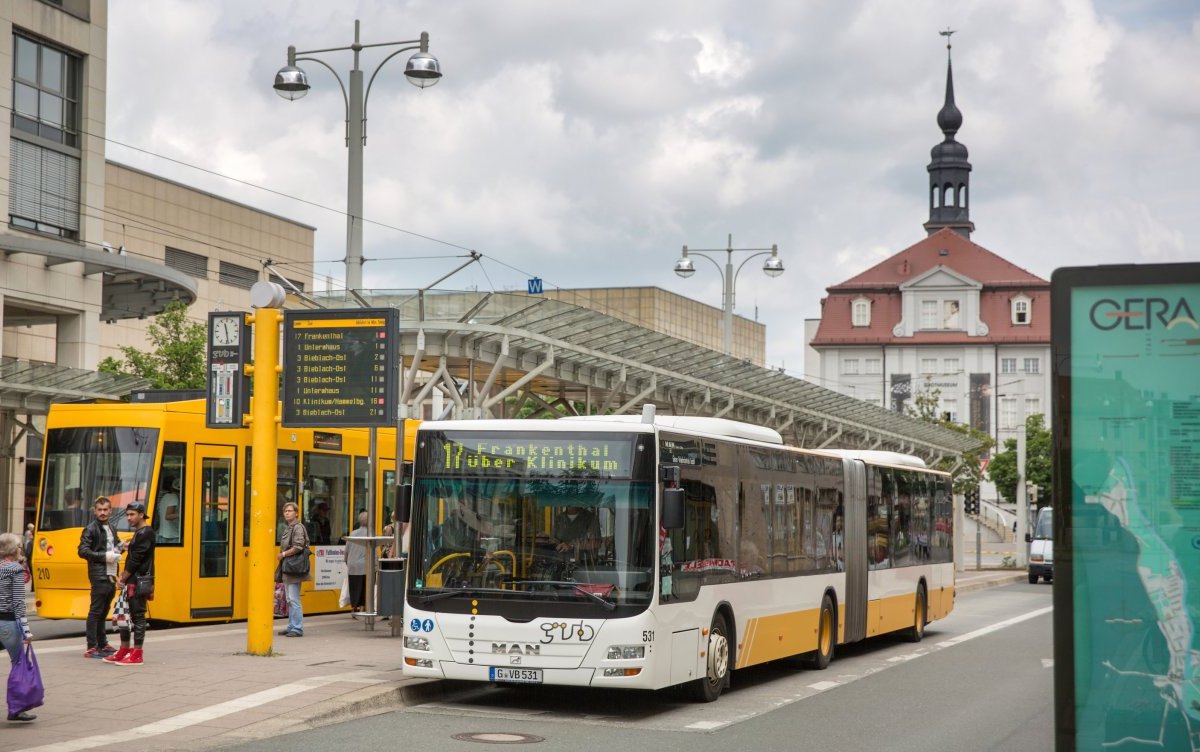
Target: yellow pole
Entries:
(265, 433)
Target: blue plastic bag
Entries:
(25, 691)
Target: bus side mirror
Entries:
(404, 503)
(672, 511)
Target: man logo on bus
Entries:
(1137, 314)
(512, 648)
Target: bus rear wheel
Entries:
(826, 637)
(917, 630)
(716, 663)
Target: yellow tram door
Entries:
(211, 591)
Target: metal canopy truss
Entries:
(31, 387)
(551, 357)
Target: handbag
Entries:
(25, 690)
(120, 611)
(297, 564)
(143, 585)
(281, 604)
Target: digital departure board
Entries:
(339, 368)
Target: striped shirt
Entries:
(12, 594)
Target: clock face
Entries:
(227, 330)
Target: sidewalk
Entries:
(199, 690)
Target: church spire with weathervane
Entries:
(949, 170)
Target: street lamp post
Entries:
(772, 267)
(291, 83)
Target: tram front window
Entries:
(83, 463)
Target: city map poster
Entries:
(1127, 585)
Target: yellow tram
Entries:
(195, 482)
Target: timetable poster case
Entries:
(339, 368)
(1125, 344)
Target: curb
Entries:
(360, 703)
(991, 582)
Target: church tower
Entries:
(949, 170)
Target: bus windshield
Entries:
(550, 525)
(83, 463)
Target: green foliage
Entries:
(178, 357)
(1038, 458)
(925, 407)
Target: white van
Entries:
(1041, 548)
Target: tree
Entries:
(925, 407)
(178, 358)
(1038, 460)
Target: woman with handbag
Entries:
(14, 625)
(294, 567)
(137, 582)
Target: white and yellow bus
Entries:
(195, 482)
(707, 546)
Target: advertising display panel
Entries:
(1126, 360)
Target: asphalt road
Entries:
(981, 680)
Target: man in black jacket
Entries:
(101, 547)
(138, 564)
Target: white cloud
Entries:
(585, 143)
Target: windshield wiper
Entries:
(579, 588)
(456, 591)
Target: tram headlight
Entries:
(626, 652)
(416, 643)
(1036, 557)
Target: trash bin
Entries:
(391, 587)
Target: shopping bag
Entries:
(25, 691)
(344, 598)
(120, 611)
(281, 604)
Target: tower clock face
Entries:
(227, 331)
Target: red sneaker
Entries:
(132, 658)
(118, 656)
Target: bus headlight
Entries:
(419, 662)
(1036, 557)
(416, 643)
(625, 652)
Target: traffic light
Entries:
(971, 501)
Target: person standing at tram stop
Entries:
(293, 542)
(356, 565)
(138, 563)
(14, 624)
(100, 546)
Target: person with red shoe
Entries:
(139, 562)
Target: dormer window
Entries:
(860, 312)
(1021, 310)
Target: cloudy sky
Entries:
(584, 143)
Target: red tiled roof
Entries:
(1001, 280)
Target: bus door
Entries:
(211, 534)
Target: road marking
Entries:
(824, 685)
(203, 715)
(994, 627)
(1047, 663)
(705, 725)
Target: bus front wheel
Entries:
(716, 663)
(826, 637)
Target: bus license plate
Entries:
(515, 675)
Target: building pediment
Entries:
(941, 277)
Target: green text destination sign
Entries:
(339, 368)
(524, 455)
(1127, 527)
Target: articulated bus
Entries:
(196, 483)
(659, 551)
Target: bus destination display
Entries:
(339, 368)
(482, 455)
